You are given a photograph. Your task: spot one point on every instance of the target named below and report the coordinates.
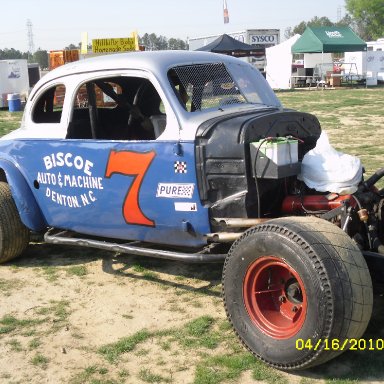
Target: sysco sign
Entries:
(263, 39)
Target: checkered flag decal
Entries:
(180, 167)
(186, 191)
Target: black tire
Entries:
(292, 283)
(14, 235)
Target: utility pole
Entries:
(338, 13)
(31, 45)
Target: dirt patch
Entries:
(62, 315)
(74, 316)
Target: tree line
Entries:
(40, 56)
(149, 41)
(365, 17)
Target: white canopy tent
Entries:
(279, 64)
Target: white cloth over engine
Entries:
(327, 170)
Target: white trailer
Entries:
(13, 79)
(377, 45)
(369, 64)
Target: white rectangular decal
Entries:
(186, 207)
(175, 190)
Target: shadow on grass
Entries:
(43, 255)
(125, 265)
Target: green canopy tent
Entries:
(328, 40)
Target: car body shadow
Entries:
(164, 272)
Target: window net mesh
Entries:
(207, 85)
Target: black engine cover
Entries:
(223, 161)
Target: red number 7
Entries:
(135, 164)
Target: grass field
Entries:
(80, 316)
(9, 121)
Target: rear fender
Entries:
(26, 204)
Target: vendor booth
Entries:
(283, 72)
(322, 40)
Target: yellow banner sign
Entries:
(123, 44)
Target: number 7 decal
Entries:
(134, 164)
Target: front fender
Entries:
(26, 204)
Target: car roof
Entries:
(153, 61)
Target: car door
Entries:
(100, 183)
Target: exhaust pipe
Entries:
(133, 248)
(229, 222)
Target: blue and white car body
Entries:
(165, 189)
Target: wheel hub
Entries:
(275, 298)
(293, 291)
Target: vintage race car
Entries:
(165, 154)
(109, 149)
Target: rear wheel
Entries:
(292, 283)
(14, 235)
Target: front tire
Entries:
(14, 235)
(291, 282)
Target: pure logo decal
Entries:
(175, 190)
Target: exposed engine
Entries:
(236, 183)
(359, 214)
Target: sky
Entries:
(56, 24)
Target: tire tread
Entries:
(340, 258)
(14, 235)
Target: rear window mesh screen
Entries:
(207, 85)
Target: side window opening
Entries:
(217, 85)
(49, 106)
(118, 108)
(204, 86)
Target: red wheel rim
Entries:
(275, 297)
